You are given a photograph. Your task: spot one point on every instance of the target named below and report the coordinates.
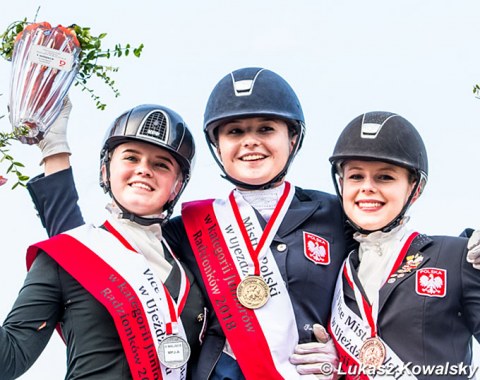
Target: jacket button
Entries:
(281, 247)
(200, 317)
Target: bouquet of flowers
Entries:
(46, 61)
(44, 64)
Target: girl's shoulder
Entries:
(309, 194)
(459, 241)
(444, 246)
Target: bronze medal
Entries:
(372, 353)
(173, 351)
(253, 292)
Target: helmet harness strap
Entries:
(392, 224)
(125, 214)
(266, 185)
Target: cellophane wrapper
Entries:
(44, 65)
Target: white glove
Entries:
(318, 358)
(55, 140)
(473, 246)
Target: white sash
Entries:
(262, 339)
(151, 292)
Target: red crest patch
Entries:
(316, 248)
(431, 282)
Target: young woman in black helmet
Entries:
(269, 252)
(124, 305)
(270, 258)
(403, 300)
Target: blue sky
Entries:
(343, 58)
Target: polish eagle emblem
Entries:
(316, 248)
(431, 282)
(317, 251)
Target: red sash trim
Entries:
(240, 325)
(183, 301)
(113, 292)
(119, 236)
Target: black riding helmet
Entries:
(157, 125)
(386, 137)
(253, 92)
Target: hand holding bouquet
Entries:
(46, 60)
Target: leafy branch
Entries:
(91, 51)
(476, 90)
(14, 166)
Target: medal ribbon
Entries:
(343, 328)
(177, 308)
(174, 310)
(370, 312)
(271, 227)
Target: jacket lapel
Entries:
(300, 210)
(348, 291)
(414, 259)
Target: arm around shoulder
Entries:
(471, 291)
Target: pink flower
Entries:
(3, 180)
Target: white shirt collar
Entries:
(263, 200)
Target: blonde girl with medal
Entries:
(267, 255)
(405, 304)
(121, 300)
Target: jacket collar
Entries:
(414, 259)
(301, 208)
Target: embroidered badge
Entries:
(412, 262)
(316, 248)
(431, 282)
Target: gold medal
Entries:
(253, 292)
(173, 351)
(372, 353)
